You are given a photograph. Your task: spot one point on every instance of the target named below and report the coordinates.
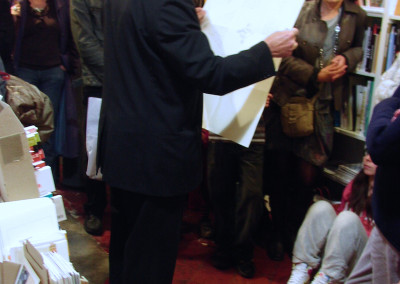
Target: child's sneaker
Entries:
(301, 274)
(321, 278)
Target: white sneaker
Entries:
(321, 278)
(301, 274)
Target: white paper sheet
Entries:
(25, 219)
(232, 26)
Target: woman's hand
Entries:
(339, 60)
(395, 115)
(15, 10)
(269, 97)
(332, 72)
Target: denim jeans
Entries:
(333, 241)
(49, 81)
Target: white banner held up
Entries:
(232, 26)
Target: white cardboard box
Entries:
(44, 180)
(17, 178)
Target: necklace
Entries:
(335, 46)
(40, 12)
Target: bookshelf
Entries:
(349, 137)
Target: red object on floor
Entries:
(193, 265)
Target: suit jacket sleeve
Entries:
(186, 49)
(383, 137)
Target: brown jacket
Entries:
(31, 106)
(298, 73)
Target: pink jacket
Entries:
(367, 222)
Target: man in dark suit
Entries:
(7, 35)
(156, 62)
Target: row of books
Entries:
(392, 45)
(356, 111)
(370, 48)
(344, 172)
(43, 174)
(371, 44)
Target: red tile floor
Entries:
(193, 265)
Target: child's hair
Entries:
(359, 200)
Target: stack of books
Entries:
(43, 174)
(347, 172)
(343, 173)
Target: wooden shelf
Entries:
(394, 18)
(363, 73)
(376, 12)
(349, 133)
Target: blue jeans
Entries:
(49, 81)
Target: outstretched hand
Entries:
(201, 14)
(282, 43)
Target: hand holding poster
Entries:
(232, 26)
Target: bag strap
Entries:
(314, 99)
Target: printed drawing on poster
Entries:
(232, 26)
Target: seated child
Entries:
(333, 240)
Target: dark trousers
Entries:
(145, 234)
(235, 183)
(289, 185)
(95, 190)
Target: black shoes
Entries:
(93, 225)
(206, 229)
(223, 260)
(246, 268)
(275, 250)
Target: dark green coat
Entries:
(297, 75)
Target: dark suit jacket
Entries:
(383, 143)
(156, 62)
(7, 35)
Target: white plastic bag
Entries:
(388, 83)
(92, 125)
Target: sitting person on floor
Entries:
(332, 241)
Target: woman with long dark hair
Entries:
(333, 240)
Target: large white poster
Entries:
(232, 26)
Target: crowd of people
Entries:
(150, 63)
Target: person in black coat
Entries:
(156, 62)
(380, 261)
(7, 35)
